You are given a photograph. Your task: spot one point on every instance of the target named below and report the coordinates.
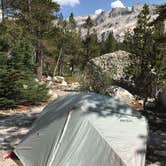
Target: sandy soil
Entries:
(6, 162)
(14, 125)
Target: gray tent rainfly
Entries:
(85, 129)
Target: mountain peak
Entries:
(119, 20)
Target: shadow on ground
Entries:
(13, 128)
(156, 149)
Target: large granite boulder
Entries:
(114, 63)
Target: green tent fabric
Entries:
(86, 129)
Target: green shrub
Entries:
(95, 79)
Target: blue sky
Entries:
(84, 7)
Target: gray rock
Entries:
(161, 153)
(114, 63)
(64, 83)
(155, 164)
(58, 79)
(161, 97)
(49, 78)
(118, 21)
(121, 94)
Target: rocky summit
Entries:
(118, 20)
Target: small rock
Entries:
(163, 134)
(159, 120)
(140, 102)
(75, 85)
(161, 153)
(121, 94)
(50, 83)
(52, 94)
(161, 96)
(41, 82)
(58, 79)
(49, 78)
(155, 164)
(36, 80)
(64, 83)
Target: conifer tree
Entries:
(17, 80)
(142, 70)
(88, 24)
(90, 43)
(159, 35)
(72, 22)
(69, 47)
(109, 45)
(73, 46)
(36, 17)
(91, 47)
(3, 8)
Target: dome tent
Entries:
(85, 129)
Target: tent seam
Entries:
(106, 142)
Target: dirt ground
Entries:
(6, 162)
(156, 151)
(14, 125)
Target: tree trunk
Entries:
(3, 9)
(39, 62)
(40, 69)
(29, 6)
(72, 67)
(57, 64)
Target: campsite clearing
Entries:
(15, 125)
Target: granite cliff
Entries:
(117, 20)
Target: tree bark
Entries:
(39, 62)
(3, 9)
(40, 69)
(29, 6)
(56, 67)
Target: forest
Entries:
(36, 41)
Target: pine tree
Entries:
(17, 80)
(91, 47)
(127, 42)
(109, 45)
(160, 39)
(90, 43)
(72, 22)
(88, 24)
(36, 17)
(69, 47)
(73, 46)
(143, 59)
(3, 8)
(61, 21)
